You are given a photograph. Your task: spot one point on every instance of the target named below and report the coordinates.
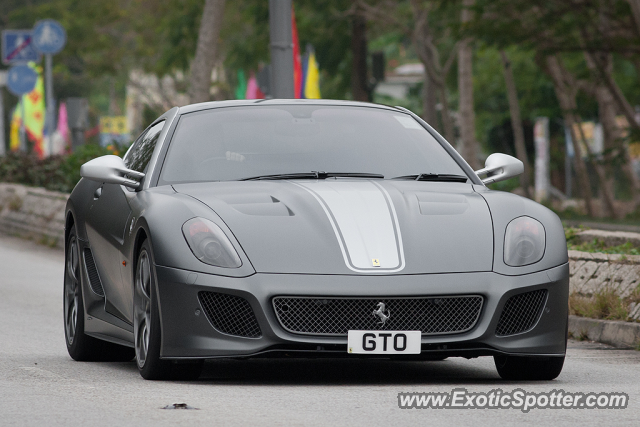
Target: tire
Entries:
(529, 368)
(146, 326)
(82, 347)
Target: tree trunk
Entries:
(568, 105)
(607, 192)
(429, 100)
(467, 120)
(614, 143)
(206, 51)
(359, 70)
(435, 72)
(447, 120)
(607, 79)
(516, 122)
(635, 12)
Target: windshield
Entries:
(242, 142)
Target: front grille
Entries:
(521, 313)
(92, 273)
(230, 314)
(337, 316)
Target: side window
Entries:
(139, 155)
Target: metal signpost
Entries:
(49, 37)
(21, 79)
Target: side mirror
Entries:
(499, 167)
(110, 169)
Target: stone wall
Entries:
(33, 213)
(597, 272)
(594, 272)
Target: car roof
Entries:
(252, 102)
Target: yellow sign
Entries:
(114, 125)
(375, 262)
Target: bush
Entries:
(58, 173)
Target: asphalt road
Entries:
(41, 386)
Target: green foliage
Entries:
(571, 234)
(536, 95)
(58, 173)
(506, 185)
(598, 245)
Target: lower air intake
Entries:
(521, 313)
(337, 316)
(92, 273)
(230, 314)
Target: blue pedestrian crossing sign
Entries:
(21, 79)
(49, 36)
(18, 48)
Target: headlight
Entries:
(209, 243)
(524, 242)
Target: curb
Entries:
(613, 332)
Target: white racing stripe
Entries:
(365, 223)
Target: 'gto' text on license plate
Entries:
(384, 342)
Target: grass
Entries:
(571, 214)
(596, 245)
(606, 305)
(15, 203)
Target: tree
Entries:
(516, 122)
(467, 121)
(435, 73)
(206, 51)
(566, 94)
(597, 28)
(426, 23)
(360, 88)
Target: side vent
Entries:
(92, 273)
(521, 313)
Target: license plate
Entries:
(384, 342)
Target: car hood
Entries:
(354, 226)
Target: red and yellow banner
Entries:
(34, 110)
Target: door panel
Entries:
(106, 226)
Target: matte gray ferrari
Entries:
(307, 228)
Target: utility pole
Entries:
(281, 49)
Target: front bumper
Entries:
(187, 333)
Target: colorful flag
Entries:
(305, 63)
(241, 89)
(297, 66)
(14, 133)
(63, 126)
(34, 110)
(32, 104)
(312, 78)
(253, 91)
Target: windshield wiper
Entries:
(314, 175)
(441, 177)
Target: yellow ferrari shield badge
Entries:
(375, 262)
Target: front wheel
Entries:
(146, 327)
(530, 368)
